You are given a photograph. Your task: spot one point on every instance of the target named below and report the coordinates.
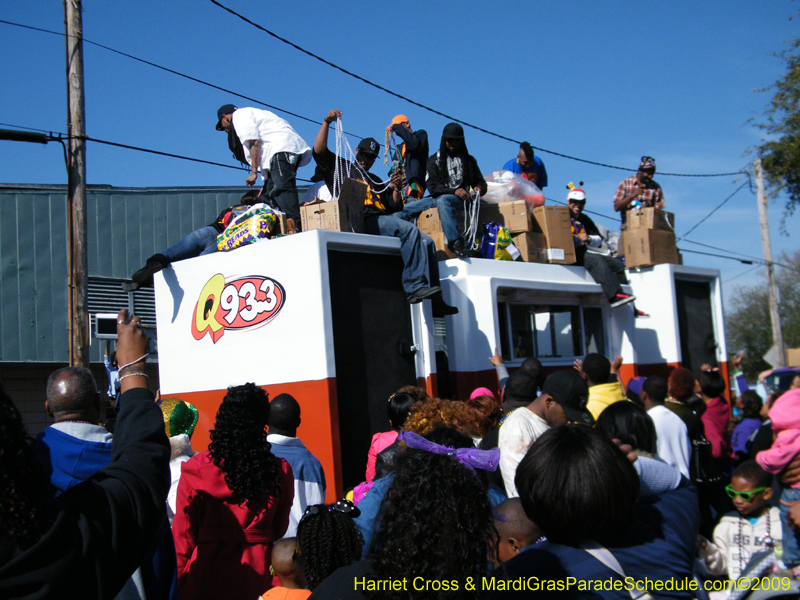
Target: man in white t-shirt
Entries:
(267, 143)
(563, 400)
(672, 443)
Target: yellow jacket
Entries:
(602, 396)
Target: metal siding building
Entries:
(124, 227)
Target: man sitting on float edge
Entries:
(591, 254)
(420, 266)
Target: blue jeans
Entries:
(280, 188)
(791, 549)
(420, 267)
(447, 205)
(200, 241)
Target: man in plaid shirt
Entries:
(639, 191)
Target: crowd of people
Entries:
(578, 476)
(449, 180)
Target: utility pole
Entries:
(76, 188)
(772, 288)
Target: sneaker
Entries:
(442, 308)
(458, 247)
(640, 314)
(424, 293)
(130, 286)
(621, 299)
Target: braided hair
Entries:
(235, 144)
(240, 448)
(327, 539)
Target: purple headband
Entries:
(472, 458)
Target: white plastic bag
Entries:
(505, 186)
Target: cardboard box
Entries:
(555, 224)
(344, 214)
(442, 251)
(651, 218)
(646, 247)
(514, 216)
(793, 357)
(428, 221)
(533, 248)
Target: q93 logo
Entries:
(242, 303)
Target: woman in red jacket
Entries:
(233, 503)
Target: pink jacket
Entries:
(380, 441)
(715, 421)
(785, 417)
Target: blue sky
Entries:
(603, 81)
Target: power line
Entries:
(228, 91)
(178, 73)
(721, 204)
(750, 270)
(441, 114)
(61, 136)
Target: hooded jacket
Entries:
(215, 535)
(785, 417)
(73, 452)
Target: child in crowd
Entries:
(283, 566)
(748, 406)
(514, 529)
(398, 407)
(785, 417)
(715, 417)
(327, 538)
(740, 534)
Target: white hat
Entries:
(577, 194)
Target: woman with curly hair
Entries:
(436, 527)
(455, 414)
(233, 503)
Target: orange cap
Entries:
(399, 120)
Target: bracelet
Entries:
(119, 372)
(133, 362)
(135, 375)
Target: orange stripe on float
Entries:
(319, 427)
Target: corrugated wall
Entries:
(125, 226)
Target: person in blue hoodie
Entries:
(76, 447)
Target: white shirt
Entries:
(518, 432)
(672, 444)
(276, 135)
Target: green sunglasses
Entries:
(746, 496)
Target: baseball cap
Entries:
(225, 109)
(453, 131)
(569, 389)
(369, 146)
(577, 195)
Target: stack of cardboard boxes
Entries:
(549, 238)
(542, 237)
(649, 239)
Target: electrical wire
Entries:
(178, 73)
(720, 205)
(57, 136)
(476, 127)
(742, 274)
(441, 114)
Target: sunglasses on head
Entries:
(746, 496)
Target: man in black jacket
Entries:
(589, 252)
(453, 177)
